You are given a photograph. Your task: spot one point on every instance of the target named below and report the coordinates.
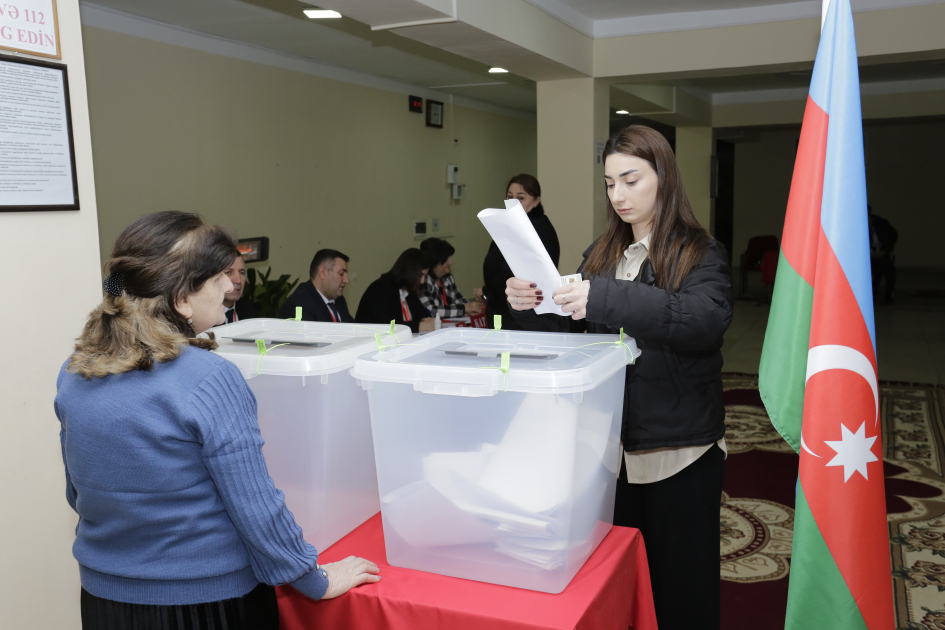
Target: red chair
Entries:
(758, 246)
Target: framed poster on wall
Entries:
(37, 155)
(30, 26)
(434, 114)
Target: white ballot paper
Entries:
(519, 243)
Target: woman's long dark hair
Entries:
(677, 241)
(161, 257)
(410, 265)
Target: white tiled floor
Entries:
(910, 334)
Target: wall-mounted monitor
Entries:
(254, 249)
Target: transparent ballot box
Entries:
(497, 452)
(313, 416)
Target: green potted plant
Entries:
(265, 294)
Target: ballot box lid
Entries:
(469, 362)
(296, 348)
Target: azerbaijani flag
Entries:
(818, 376)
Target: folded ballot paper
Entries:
(515, 496)
(523, 250)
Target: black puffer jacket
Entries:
(673, 395)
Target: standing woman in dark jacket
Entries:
(496, 271)
(394, 296)
(658, 274)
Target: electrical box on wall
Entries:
(459, 191)
(420, 228)
(452, 173)
(416, 104)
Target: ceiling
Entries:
(617, 18)
(279, 25)
(615, 9)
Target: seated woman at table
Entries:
(438, 293)
(394, 296)
(180, 524)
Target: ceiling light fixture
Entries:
(622, 111)
(320, 14)
(497, 70)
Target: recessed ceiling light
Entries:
(622, 111)
(497, 70)
(320, 14)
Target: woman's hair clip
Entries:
(114, 284)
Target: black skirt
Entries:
(257, 610)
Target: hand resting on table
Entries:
(348, 573)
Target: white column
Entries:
(694, 149)
(54, 281)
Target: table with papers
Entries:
(612, 590)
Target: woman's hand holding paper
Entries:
(573, 298)
(522, 294)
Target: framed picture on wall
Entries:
(434, 114)
(37, 153)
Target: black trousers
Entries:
(257, 610)
(679, 520)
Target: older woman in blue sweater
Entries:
(180, 525)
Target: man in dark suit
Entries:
(238, 307)
(321, 298)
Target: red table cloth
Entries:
(612, 590)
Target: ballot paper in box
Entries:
(497, 451)
(313, 416)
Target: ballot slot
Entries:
(516, 352)
(467, 362)
(491, 354)
(288, 342)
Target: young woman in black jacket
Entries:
(495, 269)
(393, 296)
(656, 273)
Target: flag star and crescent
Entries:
(853, 451)
(818, 372)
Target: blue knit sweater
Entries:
(166, 472)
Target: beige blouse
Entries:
(658, 463)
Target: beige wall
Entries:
(52, 281)
(904, 162)
(307, 161)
